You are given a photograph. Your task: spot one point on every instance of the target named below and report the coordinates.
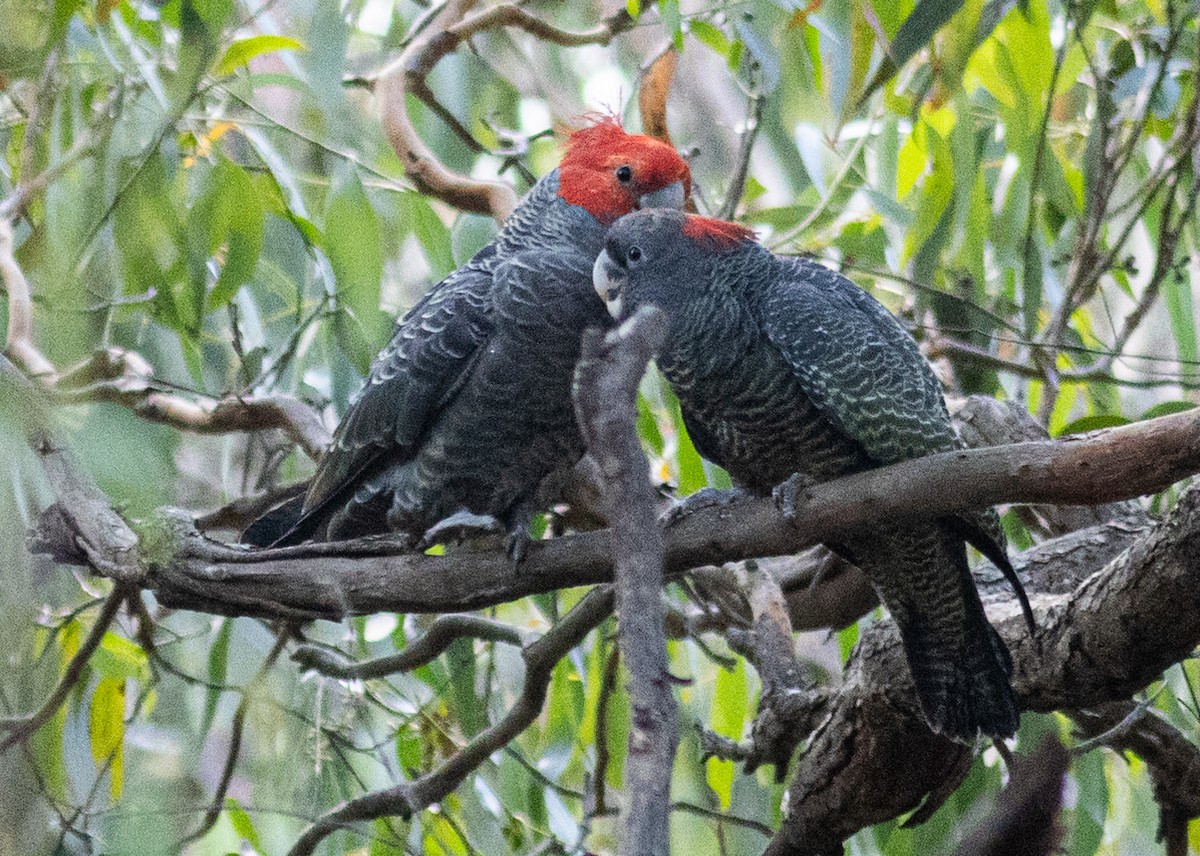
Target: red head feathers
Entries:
(719, 234)
(611, 173)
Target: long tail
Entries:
(959, 664)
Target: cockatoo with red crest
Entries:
(467, 411)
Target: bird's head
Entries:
(611, 173)
(662, 258)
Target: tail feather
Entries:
(271, 525)
(965, 694)
(959, 664)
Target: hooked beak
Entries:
(671, 196)
(609, 280)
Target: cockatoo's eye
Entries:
(625, 174)
(634, 254)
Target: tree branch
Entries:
(440, 35)
(606, 383)
(407, 798)
(440, 635)
(873, 758)
(378, 575)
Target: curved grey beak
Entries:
(671, 196)
(609, 280)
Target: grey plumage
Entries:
(782, 366)
(468, 406)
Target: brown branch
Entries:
(407, 798)
(19, 341)
(440, 635)
(873, 757)
(379, 575)
(126, 378)
(606, 383)
(441, 34)
(421, 165)
(22, 727)
(512, 15)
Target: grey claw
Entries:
(787, 494)
(459, 527)
(706, 497)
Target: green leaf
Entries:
(468, 704)
(1093, 422)
(431, 233)
(47, 747)
(242, 824)
(201, 23)
(710, 36)
(117, 658)
(1177, 294)
(672, 20)
(1166, 408)
(218, 659)
(691, 467)
(916, 31)
(242, 51)
(106, 730)
(731, 702)
(353, 245)
(847, 639)
(239, 231)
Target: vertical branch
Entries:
(606, 383)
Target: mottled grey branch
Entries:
(606, 383)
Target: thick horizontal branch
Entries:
(377, 575)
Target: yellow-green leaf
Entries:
(242, 824)
(118, 659)
(106, 730)
(728, 718)
(242, 51)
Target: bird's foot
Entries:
(517, 545)
(791, 494)
(459, 527)
(706, 497)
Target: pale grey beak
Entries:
(671, 196)
(609, 280)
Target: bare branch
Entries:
(380, 575)
(19, 342)
(124, 377)
(440, 35)
(606, 383)
(421, 165)
(440, 635)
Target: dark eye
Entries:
(624, 174)
(634, 254)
